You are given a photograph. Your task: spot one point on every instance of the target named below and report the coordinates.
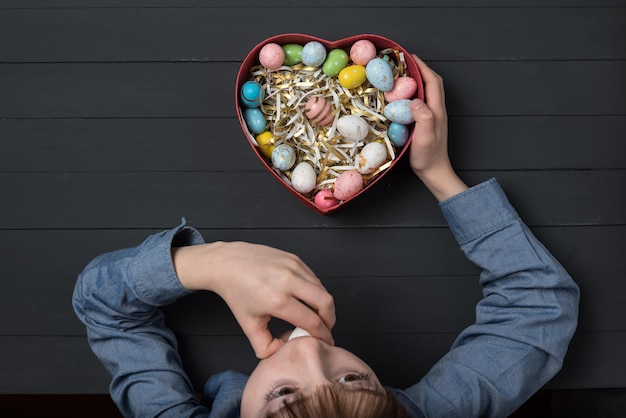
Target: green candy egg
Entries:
(336, 60)
(293, 54)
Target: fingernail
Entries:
(416, 104)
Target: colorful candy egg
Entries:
(399, 111)
(313, 54)
(336, 60)
(293, 54)
(403, 88)
(272, 56)
(325, 199)
(348, 184)
(319, 110)
(379, 74)
(303, 177)
(255, 120)
(398, 133)
(372, 156)
(353, 127)
(283, 157)
(392, 64)
(352, 76)
(265, 141)
(362, 52)
(252, 94)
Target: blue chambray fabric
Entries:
(523, 324)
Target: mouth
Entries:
(297, 333)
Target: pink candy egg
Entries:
(348, 184)
(403, 88)
(325, 199)
(362, 52)
(272, 56)
(319, 110)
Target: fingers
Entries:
(319, 300)
(421, 113)
(262, 341)
(434, 91)
(298, 314)
(301, 315)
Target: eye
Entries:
(352, 377)
(280, 392)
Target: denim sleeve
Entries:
(117, 297)
(524, 322)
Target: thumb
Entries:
(263, 344)
(424, 131)
(421, 113)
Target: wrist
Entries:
(192, 265)
(442, 183)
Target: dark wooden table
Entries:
(117, 118)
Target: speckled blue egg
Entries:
(255, 120)
(283, 157)
(379, 73)
(399, 111)
(398, 133)
(313, 54)
(252, 94)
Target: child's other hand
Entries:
(429, 146)
(259, 282)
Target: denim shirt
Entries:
(523, 326)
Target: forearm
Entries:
(523, 324)
(117, 297)
(519, 276)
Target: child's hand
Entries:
(429, 146)
(259, 282)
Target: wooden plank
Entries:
(216, 144)
(214, 200)
(206, 89)
(50, 365)
(196, 34)
(30, 364)
(403, 252)
(365, 305)
(214, 4)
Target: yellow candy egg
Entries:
(352, 77)
(265, 140)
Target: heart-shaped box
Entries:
(252, 60)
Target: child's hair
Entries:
(339, 401)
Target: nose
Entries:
(311, 355)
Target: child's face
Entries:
(301, 366)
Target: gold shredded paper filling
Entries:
(287, 90)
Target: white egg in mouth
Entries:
(297, 333)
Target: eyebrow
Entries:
(371, 387)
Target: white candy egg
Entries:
(353, 128)
(303, 177)
(372, 156)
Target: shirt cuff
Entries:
(477, 211)
(152, 270)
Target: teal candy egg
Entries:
(254, 119)
(380, 74)
(398, 133)
(336, 60)
(252, 94)
(399, 111)
(283, 157)
(313, 54)
(293, 54)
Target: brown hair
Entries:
(339, 401)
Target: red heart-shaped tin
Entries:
(252, 60)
